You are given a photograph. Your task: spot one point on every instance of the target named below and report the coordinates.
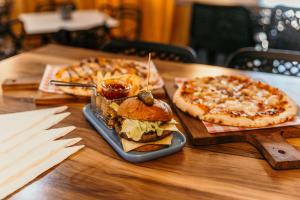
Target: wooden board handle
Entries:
(24, 83)
(276, 150)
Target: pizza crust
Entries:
(192, 109)
(246, 122)
(287, 115)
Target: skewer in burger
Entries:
(145, 124)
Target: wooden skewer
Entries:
(148, 77)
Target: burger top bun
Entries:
(133, 108)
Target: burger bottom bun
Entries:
(150, 147)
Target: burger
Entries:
(144, 127)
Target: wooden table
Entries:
(228, 171)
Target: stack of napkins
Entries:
(28, 147)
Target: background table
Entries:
(273, 3)
(51, 22)
(228, 171)
(260, 3)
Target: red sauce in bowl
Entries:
(114, 89)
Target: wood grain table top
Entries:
(227, 171)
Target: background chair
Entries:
(284, 29)
(11, 32)
(93, 38)
(220, 29)
(129, 17)
(159, 51)
(272, 61)
(261, 19)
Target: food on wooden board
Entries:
(234, 101)
(95, 70)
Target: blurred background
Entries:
(248, 34)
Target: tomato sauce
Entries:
(112, 89)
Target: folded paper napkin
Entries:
(216, 128)
(27, 148)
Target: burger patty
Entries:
(146, 137)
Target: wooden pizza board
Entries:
(24, 83)
(26, 89)
(270, 142)
(43, 98)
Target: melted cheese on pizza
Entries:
(234, 95)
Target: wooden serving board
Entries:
(24, 83)
(26, 88)
(270, 142)
(43, 98)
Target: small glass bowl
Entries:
(114, 89)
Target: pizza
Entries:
(234, 101)
(95, 70)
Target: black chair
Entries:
(93, 38)
(11, 32)
(284, 29)
(272, 61)
(158, 51)
(261, 20)
(220, 29)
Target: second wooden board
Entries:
(270, 142)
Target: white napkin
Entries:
(33, 158)
(43, 137)
(14, 123)
(14, 140)
(36, 170)
(27, 149)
